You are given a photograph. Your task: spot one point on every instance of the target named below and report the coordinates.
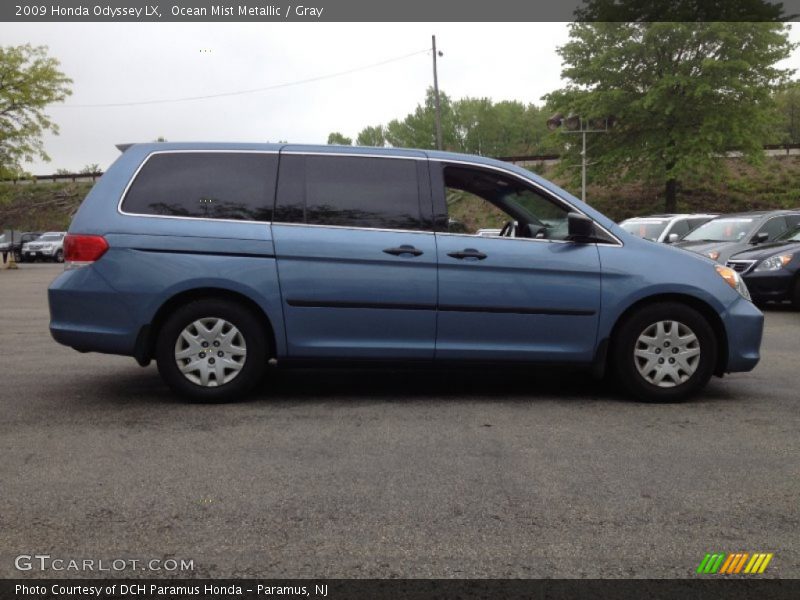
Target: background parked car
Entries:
(49, 246)
(721, 238)
(664, 228)
(15, 246)
(772, 271)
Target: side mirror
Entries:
(760, 238)
(672, 238)
(580, 228)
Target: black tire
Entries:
(59, 258)
(627, 339)
(254, 364)
(18, 257)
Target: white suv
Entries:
(50, 246)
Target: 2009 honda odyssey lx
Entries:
(214, 259)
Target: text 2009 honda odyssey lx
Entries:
(215, 258)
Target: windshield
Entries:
(649, 230)
(51, 237)
(793, 235)
(722, 230)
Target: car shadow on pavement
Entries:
(523, 383)
(137, 386)
(143, 386)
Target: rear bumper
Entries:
(744, 325)
(89, 315)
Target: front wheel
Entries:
(59, 257)
(212, 350)
(664, 352)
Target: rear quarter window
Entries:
(210, 185)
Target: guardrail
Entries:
(73, 177)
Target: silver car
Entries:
(665, 228)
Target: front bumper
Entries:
(744, 325)
(27, 254)
(770, 285)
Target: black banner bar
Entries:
(405, 11)
(702, 588)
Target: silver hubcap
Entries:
(210, 352)
(667, 353)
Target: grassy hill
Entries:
(43, 206)
(738, 187)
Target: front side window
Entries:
(773, 228)
(483, 202)
(793, 235)
(680, 228)
(213, 185)
(348, 191)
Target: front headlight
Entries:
(732, 278)
(773, 263)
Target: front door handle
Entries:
(467, 253)
(403, 250)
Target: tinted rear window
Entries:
(215, 185)
(349, 191)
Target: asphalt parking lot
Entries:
(389, 474)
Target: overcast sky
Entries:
(119, 62)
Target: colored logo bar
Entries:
(721, 563)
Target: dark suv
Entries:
(772, 271)
(16, 245)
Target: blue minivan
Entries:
(219, 259)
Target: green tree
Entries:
(787, 114)
(650, 11)
(29, 81)
(339, 139)
(90, 169)
(372, 136)
(418, 129)
(681, 94)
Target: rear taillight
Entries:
(81, 250)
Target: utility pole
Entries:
(576, 124)
(436, 93)
(583, 166)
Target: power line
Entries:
(250, 91)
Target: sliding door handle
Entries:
(403, 251)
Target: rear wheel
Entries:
(212, 350)
(59, 258)
(664, 352)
